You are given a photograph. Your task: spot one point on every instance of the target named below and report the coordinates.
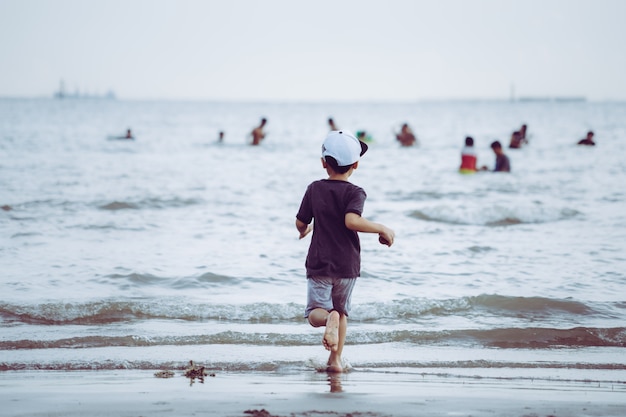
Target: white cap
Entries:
(344, 147)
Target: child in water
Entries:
(333, 262)
(468, 157)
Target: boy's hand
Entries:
(303, 228)
(386, 237)
(308, 230)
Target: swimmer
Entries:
(406, 136)
(258, 134)
(468, 157)
(516, 140)
(588, 140)
(502, 161)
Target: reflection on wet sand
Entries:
(334, 380)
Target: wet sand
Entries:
(310, 394)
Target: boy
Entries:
(334, 260)
(502, 161)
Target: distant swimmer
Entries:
(588, 140)
(516, 140)
(363, 136)
(468, 157)
(331, 124)
(406, 136)
(220, 136)
(522, 132)
(502, 161)
(258, 134)
(127, 136)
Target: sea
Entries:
(146, 254)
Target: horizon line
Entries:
(521, 99)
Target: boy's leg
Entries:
(328, 303)
(331, 320)
(334, 335)
(334, 363)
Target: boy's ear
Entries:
(355, 165)
(323, 162)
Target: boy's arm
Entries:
(303, 228)
(361, 224)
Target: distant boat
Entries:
(63, 94)
(558, 99)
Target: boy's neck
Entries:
(339, 177)
(336, 176)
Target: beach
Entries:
(503, 294)
(236, 394)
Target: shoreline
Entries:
(311, 394)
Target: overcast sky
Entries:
(317, 50)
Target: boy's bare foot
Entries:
(331, 334)
(334, 364)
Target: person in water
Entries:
(588, 140)
(522, 132)
(502, 161)
(220, 137)
(406, 136)
(129, 135)
(516, 140)
(363, 136)
(258, 134)
(468, 157)
(331, 124)
(333, 262)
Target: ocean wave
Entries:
(113, 311)
(492, 216)
(506, 338)
(449, 368)
(427, 195)
(154, 203)
(527, 304)
(25, 235)
(118, 205)
(486, 364)
(408, 310)
(485, 304)
(207, 280)
(150, 203)
(108, 227)
(103, 365)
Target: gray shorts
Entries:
(329, 294)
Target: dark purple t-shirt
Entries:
(335, 250)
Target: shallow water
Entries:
(149, 253)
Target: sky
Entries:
(323, 50)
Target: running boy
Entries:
(334, 259)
